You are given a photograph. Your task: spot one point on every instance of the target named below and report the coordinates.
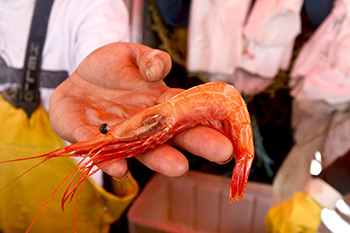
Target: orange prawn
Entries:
(217, 105)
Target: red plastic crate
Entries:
(198, 202)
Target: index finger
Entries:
(205, 142)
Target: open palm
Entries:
(112, 84)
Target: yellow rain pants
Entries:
(21, 201)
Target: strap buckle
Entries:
(18, 98)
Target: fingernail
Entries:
(151, 75)
(123, 178)
(154, 67)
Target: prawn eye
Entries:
(103, 128)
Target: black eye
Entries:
(103, 128)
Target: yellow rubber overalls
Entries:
(21, 201)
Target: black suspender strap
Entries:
(29, 96)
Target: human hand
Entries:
(299, 214)
(112, 84)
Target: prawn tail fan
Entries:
(239, 178)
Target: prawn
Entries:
(217, 105)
